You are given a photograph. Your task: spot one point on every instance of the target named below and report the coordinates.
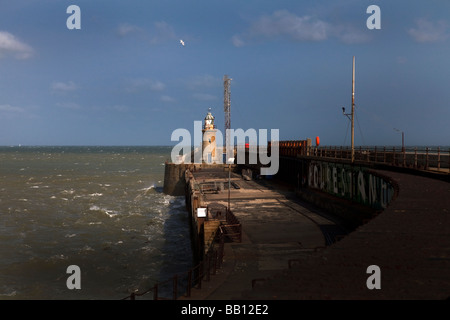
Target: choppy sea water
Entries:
(100, 208)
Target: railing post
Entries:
(215, 262)
(200, 274)
(155, 292)
(384, 156)
(189, 283)
(404, 157)
(415, 157)
(426, 160)
(208, 271)
(439, 159)
(376, 156)
(175, 287)
(393, 156)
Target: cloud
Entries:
(237, 41)
(125, 29)
(429, 31)
(6, 108)
(143, 84)
(167, 99)
(282, 23)
(203, 81)
(8, 111)
(10, 45)
(68, 105)
(160, 32)
(204, 96)
(349, 34)
(63, 86)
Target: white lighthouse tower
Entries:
(209, 145)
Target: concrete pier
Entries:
(394, 217)
(276, 228)
(409, 241)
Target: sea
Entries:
(99, 208)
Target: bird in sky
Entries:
(182, 42)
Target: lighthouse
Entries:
(209, 144)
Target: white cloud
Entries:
(6, 108)
(68, 105)
(125, 29)
(349, 34)
(429, 31)
(282, 23)
(167, 99)
(203, 81)
(237, 41)
(63, 86)
(204, 96)
(144, 84)
(10, 45)
(162, 32)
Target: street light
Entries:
(230, 161)
(403, 139)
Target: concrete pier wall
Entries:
(353, 192)
(174, 181)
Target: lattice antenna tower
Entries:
(227, 107)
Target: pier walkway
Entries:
(276, 228)
(280, 255)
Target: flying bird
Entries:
(182, 42)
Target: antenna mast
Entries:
(226, 108)
(353, 111)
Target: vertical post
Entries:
(353, 111)
(439, 159)
(155, 292)
(376, 156)
(403, 142)
(404, 155)
(175, 287)
(415, 157)
(393, 156)
(229, 185)
(200, 275)
(215, 262)
(426, 160)
(189, 284)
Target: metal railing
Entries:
(421, 158)
(181, 284)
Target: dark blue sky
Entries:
(125, 79)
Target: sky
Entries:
(125, 78)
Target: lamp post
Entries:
(352, 114)
(403, 139)
(230, 161)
